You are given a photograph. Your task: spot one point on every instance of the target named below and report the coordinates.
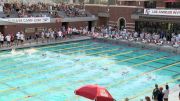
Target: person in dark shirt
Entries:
(161, 94)
(179, 92)
(155, 93)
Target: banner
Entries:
(27, 20)
(167, 12)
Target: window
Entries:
(122, 23)
(91, 1)
(173, 5)
(130, 3)
(149, 4)
(112, 2)
(29, 30)
(105, 2)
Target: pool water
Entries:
(52, 73)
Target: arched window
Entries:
(121, 23)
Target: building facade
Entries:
(130, 14)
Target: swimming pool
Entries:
(52, 73)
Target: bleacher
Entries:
(17, 10)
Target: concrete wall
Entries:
(12, 29)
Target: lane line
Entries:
(49, 90)
(50, 46)
(24, 75)
(81, 80)
(142, 74)
(66, 58)
(14, 62)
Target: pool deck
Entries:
(143, 45)
(174, 93)
(35, 44)
(81, 38)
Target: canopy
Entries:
(170, 0)
(94, 92)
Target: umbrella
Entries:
(94, 92)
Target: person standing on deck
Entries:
(161, 94)
(1, 39)
(166, 93)
(179, 92)
(8, 39)
(155, 93)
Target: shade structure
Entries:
(170, 0)
(94, 92)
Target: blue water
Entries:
(52, 73)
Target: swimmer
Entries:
(58, 56)
(76, 59)
(25, 52)
(28, 96)
(104, 69)
(44, 54)
(150, 78)
(125, 73)
(13, 51)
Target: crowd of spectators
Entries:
(45, 36)
(99, 32)
(170, 39)
(159, 94)
(42, 10)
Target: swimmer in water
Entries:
(58, 55)
(105, 69)
(76, 59)
(44, 54)
(150, 78)
(13, 50)
(28, 96)
(125, 73)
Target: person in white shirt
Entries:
(52, 34)
(47, 35)
(1, 39)
(60, 34)
(166, 93)
(18, 38)
(22, 38)
(43, 36)
(8, 39)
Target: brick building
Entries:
(130, 14)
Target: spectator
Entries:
(160, 95)
(147, 98)
(1, 39)
(8, 39)
(22, 37)
(166, 93)
(126, 99)
(179, 92)
(18, 38)
(155, 94)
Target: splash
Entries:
(13, 51)
(30, 51)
